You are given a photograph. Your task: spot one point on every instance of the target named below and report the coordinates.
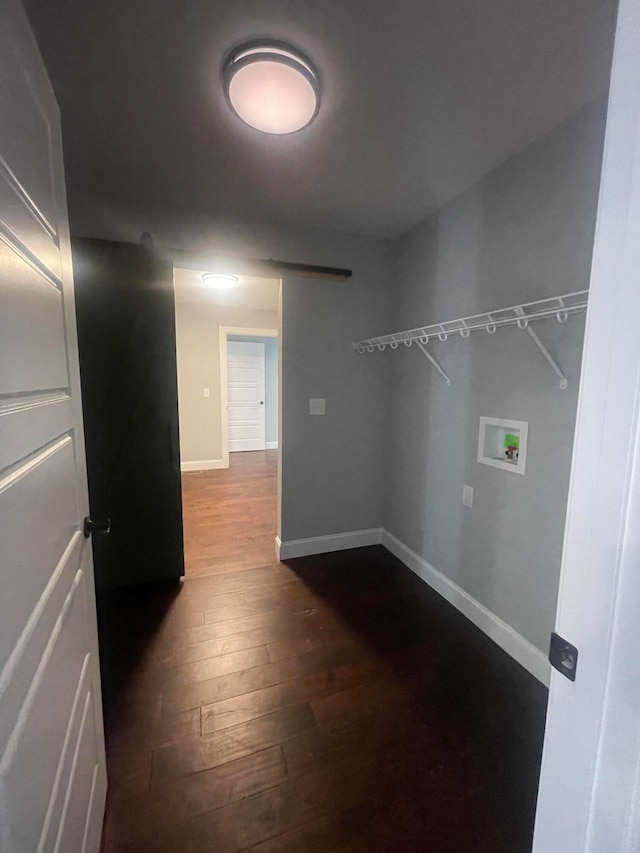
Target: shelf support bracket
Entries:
(433, 362)
(550, 359)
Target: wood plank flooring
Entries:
(332, 705)
(230, 515)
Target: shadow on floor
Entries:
(490, 699)
(128, 620)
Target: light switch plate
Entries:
(205, 392)
(467, 496)
(317, 407)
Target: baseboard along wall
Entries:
(203, 465)
(324, 544)
(513, 643)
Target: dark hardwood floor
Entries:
(333, 704)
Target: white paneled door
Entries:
(52, 765)
(246, 389)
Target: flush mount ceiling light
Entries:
(219, 281)
(271, 86)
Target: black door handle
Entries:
(90, 525)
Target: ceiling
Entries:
(421, 99)
(252, 292)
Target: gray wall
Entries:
(523, 233)
(333, 469)
(271, 389)
(271, 403)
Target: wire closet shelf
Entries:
(560, 307)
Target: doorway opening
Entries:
(227, 346)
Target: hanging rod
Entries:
(521, 315)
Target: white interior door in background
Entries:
(52, 766)
(246, 389)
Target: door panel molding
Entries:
(21, 667)
(39, 726)
(52, 764)
(38, 419)
(13, 242)
(12, 181)
(65, 769)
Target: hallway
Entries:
(332, 705)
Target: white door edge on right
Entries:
(589, 794)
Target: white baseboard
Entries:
(203, 465)
(325, 544)
(272, 445)
(514, 644)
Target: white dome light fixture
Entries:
(219, 281)
(271, 86)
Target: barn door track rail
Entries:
(560, 307)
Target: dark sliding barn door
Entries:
(127, 342)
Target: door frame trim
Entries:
(224, 332)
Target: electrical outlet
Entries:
(205, 392)
(467, 496)
(317, 407)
